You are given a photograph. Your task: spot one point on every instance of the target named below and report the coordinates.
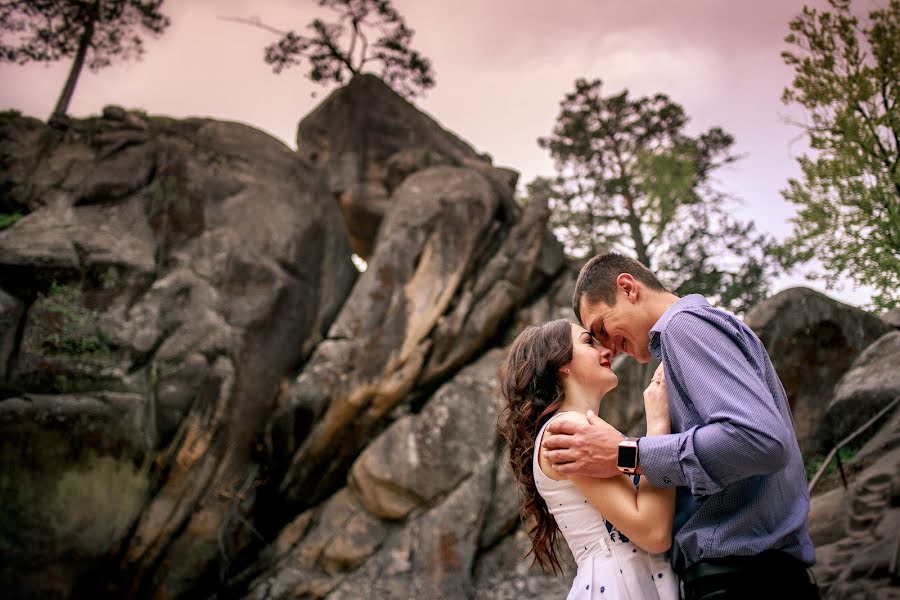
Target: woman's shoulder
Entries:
(571, 416)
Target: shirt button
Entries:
(666, 480)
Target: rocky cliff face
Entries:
(201, 396)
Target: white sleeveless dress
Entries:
(609, 566)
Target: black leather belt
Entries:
(769, 561)
(772, 565)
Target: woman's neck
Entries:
(579, 400)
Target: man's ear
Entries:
(628, 285)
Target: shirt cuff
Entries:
(671, 460)
(658, 456)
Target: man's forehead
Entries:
(592, 314)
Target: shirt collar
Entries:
(689, 301)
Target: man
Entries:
(741, 500)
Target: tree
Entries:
(847, 78)
(92, 31)
(341, 49)
(630, 178)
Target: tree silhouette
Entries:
(90, 31)
(342, 49)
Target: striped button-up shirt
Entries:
(733, 452)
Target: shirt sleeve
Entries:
(742, 432)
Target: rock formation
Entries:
(201, 396)
(812, 341)
(165, 276)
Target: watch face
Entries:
(627, 456)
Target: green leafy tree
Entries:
(847, 78)
(630, 178)
(338, 50)
(92, 32)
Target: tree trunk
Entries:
(62, 105)
(634, 224)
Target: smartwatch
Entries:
(627, 461)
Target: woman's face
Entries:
(590, 362)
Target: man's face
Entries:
(622, 327)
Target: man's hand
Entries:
(591, 449)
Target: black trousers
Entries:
(772, 575)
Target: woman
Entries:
(617, 532)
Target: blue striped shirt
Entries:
(733, 452)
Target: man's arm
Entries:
(589, 449)
(742, 433)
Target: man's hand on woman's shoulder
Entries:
(582, 445)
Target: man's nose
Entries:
(608, 349)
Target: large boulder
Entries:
(453, 262)
(812, 341)
(164, 277)
(410, 520)
(871, 383)
(892, 318)
(368, 139)
(856, 531)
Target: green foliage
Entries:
(630, 178)
(75, 331)
(9, 219)
(846, 74)
(814, 463)
(89, 31)
(340, 49)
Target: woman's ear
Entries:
(565, 369)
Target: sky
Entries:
(501, 66)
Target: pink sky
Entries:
(502, 66)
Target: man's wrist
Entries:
(627, 459)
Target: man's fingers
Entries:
(551, 441)
(560, 426)
(564, 468)
(559, 457)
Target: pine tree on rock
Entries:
(90, 32)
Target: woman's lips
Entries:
(605, 363)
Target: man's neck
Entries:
(659, 302)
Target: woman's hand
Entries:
(656, 404)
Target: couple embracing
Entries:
(711, 503)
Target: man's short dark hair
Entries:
(597, 279)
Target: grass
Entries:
(814, 463)
(9, 219)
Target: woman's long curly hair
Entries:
(531, 387)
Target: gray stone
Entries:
(857, 563)
(424, 456)
(76, 475)
(190, 263)
(872, 382)
(416, 316)
(502, 515)
(812, 341)
(11, 311)
(892, 318)
(368, 139)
